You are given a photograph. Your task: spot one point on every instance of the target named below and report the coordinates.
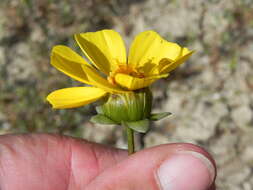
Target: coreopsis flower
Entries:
(120, 81)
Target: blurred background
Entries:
(210, 96)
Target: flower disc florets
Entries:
(124, 69)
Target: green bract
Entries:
(133, 106)
(132, 110)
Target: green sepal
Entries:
(132, 106)
(141, 126)
(101, 119)
(99, 110)
(158, 116)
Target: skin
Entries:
(52, 162)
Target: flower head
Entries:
(111, 71)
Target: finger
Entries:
(52, 162)
(212, 187)
(43, 162)
(174, 166)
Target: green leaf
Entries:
(101, 119)
(158, 116)
(141, 126)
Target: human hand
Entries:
(52, 162)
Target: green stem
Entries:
(130, 140)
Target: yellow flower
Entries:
(150, 58)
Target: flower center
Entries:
(124, 69)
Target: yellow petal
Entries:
(105, 49)
(150, 48)
(134, 83)
(100, 82)
(74, 97)
(173, 65)
(150, 52)
(69, 62)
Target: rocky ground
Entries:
(210, 96)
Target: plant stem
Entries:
(130, 140)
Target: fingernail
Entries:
(185, 170)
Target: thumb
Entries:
(165, 167)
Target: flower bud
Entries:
(132, 106)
